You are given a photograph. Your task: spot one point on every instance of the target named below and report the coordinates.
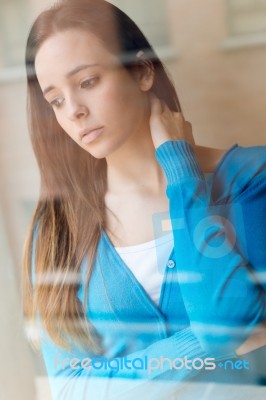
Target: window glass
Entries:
(247, 16)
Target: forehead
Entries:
(65, 50)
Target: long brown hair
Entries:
(70, 214)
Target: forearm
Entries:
(74, 379)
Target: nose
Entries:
(76, 109)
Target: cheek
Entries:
(58, 117)
(62, 121)
(121, 102)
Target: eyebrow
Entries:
(69, 74)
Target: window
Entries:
(151, 17)
(14, 15)
(246, 22)
(247, 16)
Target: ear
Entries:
(145, 74)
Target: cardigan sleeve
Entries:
(78, 374)
(223, 296)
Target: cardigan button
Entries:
(170, 264)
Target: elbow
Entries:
(218, 342)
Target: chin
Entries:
(97, 154)
(100, 152)
(102, 149)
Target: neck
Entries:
(133, 166)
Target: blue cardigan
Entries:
(212, 295)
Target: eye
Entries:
(89, 82)
(57, 102)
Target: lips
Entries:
(88, 135)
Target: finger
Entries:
(189, 133)
(188, 128)
(180, 116)
(156, 104)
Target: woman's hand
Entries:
(168, 125)
(256, 340)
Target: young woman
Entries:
(143, 244)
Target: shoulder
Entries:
(208, 157)
(240, 170)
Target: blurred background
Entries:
(215, 53)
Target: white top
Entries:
(147, 261)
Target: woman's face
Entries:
(89, 91)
